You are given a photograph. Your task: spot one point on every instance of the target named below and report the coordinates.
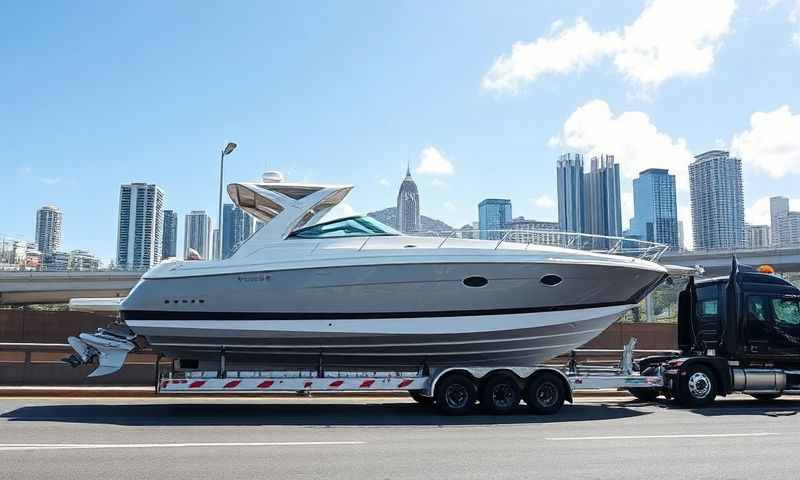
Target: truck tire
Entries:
(698, 388)
(420, 398)
(645, 394)
(765, 397)
(500, 394)
(455, 395)
(545, 394)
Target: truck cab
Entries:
(739, 333)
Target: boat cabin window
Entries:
(346, 227)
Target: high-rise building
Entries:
(81, 260)
(237, 226)
(197, 234)
(215, 244)
(48, 228)
(534, 231)
(603, 205)
(571, 197)
(756, 236)
(55, 262)
(655, 208)
(408, 219)
(493, 214)
(170, 244)
(141, 221)
(788, 229)
(717, 198)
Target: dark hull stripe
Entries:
(204, 315)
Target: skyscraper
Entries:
(48, 229)
(756, 236)
(237, 226)
(717, 198)
(141, 220)
(778, 208)
(408, 220)
(603, 207)
(571, 197)
(655, 208)
(493, 214)
(170, 244)
(197, 234)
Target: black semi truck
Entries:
(739, 333)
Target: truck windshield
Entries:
(361, 226)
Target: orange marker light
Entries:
(766, 269)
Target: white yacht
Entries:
(354, 293)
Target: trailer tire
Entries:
(645, 394)
(545, 393)
(500, 394)
(455, 395)
(765, 397)
(420, 398)
(698, 388)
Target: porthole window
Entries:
(475, 281)
(551, 280)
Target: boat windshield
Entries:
(361, 226)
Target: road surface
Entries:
(366, 438)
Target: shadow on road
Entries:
(738, 405)
(312, 415)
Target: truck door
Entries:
(785, 331)
(757, 324)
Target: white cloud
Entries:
(796, 39)
(669, 39)
(383, 182)
(544, 201)
(636, 144)
(772, 143)
(50, 180)
(433, 161)
(631, 137)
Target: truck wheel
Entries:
(455, 395)
(420, 398)
(765, 397)
(500, 395)
(698, 387)
(545, 394)
(645, 394)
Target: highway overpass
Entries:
(19, 288)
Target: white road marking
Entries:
(12, 447)
(645, 437)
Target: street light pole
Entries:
(229, 148)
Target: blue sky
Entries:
(95, 94)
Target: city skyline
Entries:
(476, 116)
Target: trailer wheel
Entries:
(455, 395)
(765, 397)
(698, 388)
(420, 398)
(545, 394)
(500, 394)
(645, 394)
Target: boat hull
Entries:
(391, 316)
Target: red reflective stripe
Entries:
(337, 383)
(405, 383)
(307, 385)
(266, 384)
(366, 384)
(232, 384)
(197, 383)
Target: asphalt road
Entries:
(370, 438)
